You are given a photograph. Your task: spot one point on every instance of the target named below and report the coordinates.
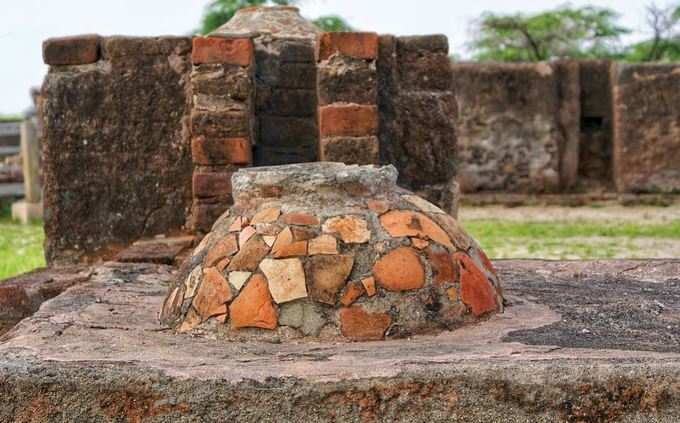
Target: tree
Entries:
(664, 25)
(564, 32)
(218, 12)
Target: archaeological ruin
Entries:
(260, 225)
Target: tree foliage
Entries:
(664, 45)
(563, 32)
(218, 12)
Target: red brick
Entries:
(359, 45)
(233, 51)
(359, 325)
(211, 184)
(78, 50)
(475, 289)
(221, 151)
(348, 120)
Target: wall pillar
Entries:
(348, 96)
(222, 122)
(31, 207)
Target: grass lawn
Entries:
(20, 246)
(576, 240)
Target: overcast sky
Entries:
(25, 24)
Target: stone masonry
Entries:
(348, 96)
(222, 122)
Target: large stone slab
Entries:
(579, 341)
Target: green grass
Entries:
(575, 240)
(20, 245)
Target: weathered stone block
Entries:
(116, 154)
(349, 120)
(347, 80)
(218, 151)
(204, 214)
(286, 131)
(211, 184)
(646, 128)
(234, 51)
(228, 80)
(77, 50)
(220, 124)
(359, 45)
(288, 102)
(350, 150)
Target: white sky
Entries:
(24, 24)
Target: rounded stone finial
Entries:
(332, 251)
(276, 21)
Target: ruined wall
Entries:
(286, 101)
(509, 132)
(348, 96)
(595, 157)
(117, 158)
(222, 122)
(418, 114)
(646, 152)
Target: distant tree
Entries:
(664, 25)
(332, 23)
(563, 32)
(218, 12)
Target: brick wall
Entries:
(418, 114)
(348, 96)
(117, 159)
(222, 122)
(646, 120)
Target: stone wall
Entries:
(646, 148)
(117, 158)
(509, 127)
(418, 115)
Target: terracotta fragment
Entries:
(226, 247)
(238, 279)
(238, 224)
(475, 289)
(191, 320)
(323, 244)
(302, 233)
(443, 268)
(286, 279)
(299, 219)
(419, 243)
(192, 281)
(351, 229)
(379, 207)
(250, 255)
(212, 295)
(353, 291)
(245, 235)
(360, 325)
(399, 270)
(452, 293)
(284, 239)
(269, 240)
(222, 264)
(253, 307)
(292, 250)
(328, 275)
(399, 223)
(266, 215)
(422, 204)
(369, 286)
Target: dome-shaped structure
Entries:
(280, 21)
(329, 250)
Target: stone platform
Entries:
(579, 342)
